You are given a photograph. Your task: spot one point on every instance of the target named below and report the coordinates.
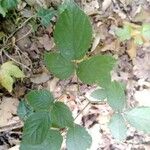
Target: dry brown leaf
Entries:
(142, 15)
(8, 108)
(47, 43)
(132, 50)
(96, 42)
(106, 4)
(40, 78)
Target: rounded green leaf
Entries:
(116, 95)
(36, 128)
(96, 70)
(73, 32)
(53, 141)
(78, 138)
(59, 66)
(118, 127)
(61, 116)
(139, 118)
(40, 100)
(99, 94)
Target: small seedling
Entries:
(8, 72)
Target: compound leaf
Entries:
(61, 116)
(46, 16)
(139, 118)
(59, 66)
(116, 95)
(53, 141)
(40, 100)
(73, 32)
(96, 70)
(78, 138)
(118, 127)
(36, 128)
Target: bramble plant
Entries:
(44, 117)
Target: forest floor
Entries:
(26, 41)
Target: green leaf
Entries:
(46, 16)
(146, 31)
(36, 128)
(116, 95)
(2, 11)
(8, 71)
(118, 127)
(53, 141)
(9, 4)
(73, 33)
(124, 33)
(59, 66)
(139, 118)
(61, 115)
(40, 100)
(24, 110)
(12, 70)
(6, 81)
(96, 70)
(99, 95)
(78, 138)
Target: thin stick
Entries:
(16, 60)
(82, 110)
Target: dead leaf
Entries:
(40, 78)
(132, 50)
(96, 42)
(8, 108)
(106, 4)
(47, 43)
(142, 15)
